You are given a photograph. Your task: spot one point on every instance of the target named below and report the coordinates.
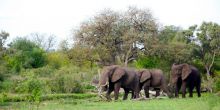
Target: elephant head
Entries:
(110, 74)
(179, 72)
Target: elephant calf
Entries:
(153, 78)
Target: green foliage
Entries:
(217, 81)
(209, 47)
(57, 59)
(25, 54)
(6, 86)
(2, 72)
(30, 84)
(147, 62)
(3, 37)
(217, 85)
(83, 56)
(3, 97)
(67, 80)
(44, 72)
(167, 34)
(23, 97)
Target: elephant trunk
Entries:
(101, 89)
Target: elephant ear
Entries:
(118, 73)
(145, 76)
(186, 70)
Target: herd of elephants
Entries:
(182, 76)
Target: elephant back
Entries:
(157, 76)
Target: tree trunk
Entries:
(127, 57)
(208, 74)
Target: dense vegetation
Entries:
(29, 66)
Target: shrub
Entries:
(147, 62)
(57, 59)
(25, 54)
(6, 86)
(217, 81)
(31, 85)
(3, 97)
(217, 85)
(67, 80)
(45, 71)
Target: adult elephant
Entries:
(155, 79)
(185, 75)
(115, 77)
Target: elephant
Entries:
(115, 77)
(185, 76)
(153, 78)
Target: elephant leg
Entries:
(177, 89)
(126, 94)
(183, 90)
(191, 87)
(198, 90)
(146, 91)
(146, 87)
(132, 95)
(117, 87)
(157, 92)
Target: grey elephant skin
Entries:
(115, 77)
(185, 76)
(153, 78)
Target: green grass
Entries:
(206, 102)
(23, 97)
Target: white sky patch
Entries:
(59, 17)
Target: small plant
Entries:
(217, 84)
(3, 97)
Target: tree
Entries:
(83, 56)
(174, 45)
(208, 46)
(167, 33)
(3, 36)
(117, 37)
(43, 40)
(64, 46)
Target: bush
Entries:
(147, 62)
(67, 80)
(217, 85)
(25, 54)
(31, 85)
(217, 81)
(6, 86)
(45, 71)
(57, 59)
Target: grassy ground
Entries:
(206, 102)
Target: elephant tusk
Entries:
(103, 84)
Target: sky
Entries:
(60, 17)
